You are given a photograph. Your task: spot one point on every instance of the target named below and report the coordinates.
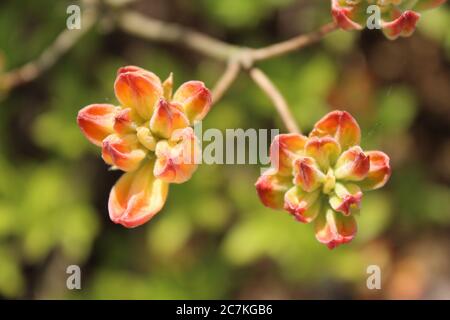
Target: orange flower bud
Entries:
(333, 228)
(307, 174)
(167, 118)
(123, 152)
(271, 188)
(328, 171)
(177, 158)
(137, 197)
(324, 150)
(304, 206)
(96, 121)
(379, 171)
(341, 126)
(284, 150)
(195, 99)
(352, 165)
(139, 90)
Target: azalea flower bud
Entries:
(271, 188)
(284, 150)
(341, 126)
(123, 151)
(147, 136)
(138, 89)
(124, 121)
(324, 150)
(96, 121)
(304, 206)
(346, 198)
(307, 174)
(167, 118)
(177, 158)
(379, 171)
(137, 197)
(195, 99)
(333, 229)
(352, 165)
(322, 177)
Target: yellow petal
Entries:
(137, 197)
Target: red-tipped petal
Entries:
(403, 26)
(304, 206)
(333, 229)
(324, 150)
(352, 165)
(340, 125)
(285, 148)
(271, 188)
(123, 151)
(379, 171)
(307, 174)
(342, 17)
(96, 121)
(137, 197)
(195, 99)
(124, 121)
(138, 89)
(167, 118)
(177, 158)
(346, 199)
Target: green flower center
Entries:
(329, 182)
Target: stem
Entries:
(263, 81)
(62, 44)
(152, 29)
(226, 80)
(296, 43)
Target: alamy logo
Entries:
(374, 20)
(74, 280)
(73, 21)
(374, 280)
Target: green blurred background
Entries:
(214, 239)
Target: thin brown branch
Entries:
(152, 29)
(226, 80)
(156, 30)
(293, 44)
(63, 43)
(263, 81)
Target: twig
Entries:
(156, 30)
(63, 42)
(263, 81)
(293, 44)
(226, 80)
(152, 29)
